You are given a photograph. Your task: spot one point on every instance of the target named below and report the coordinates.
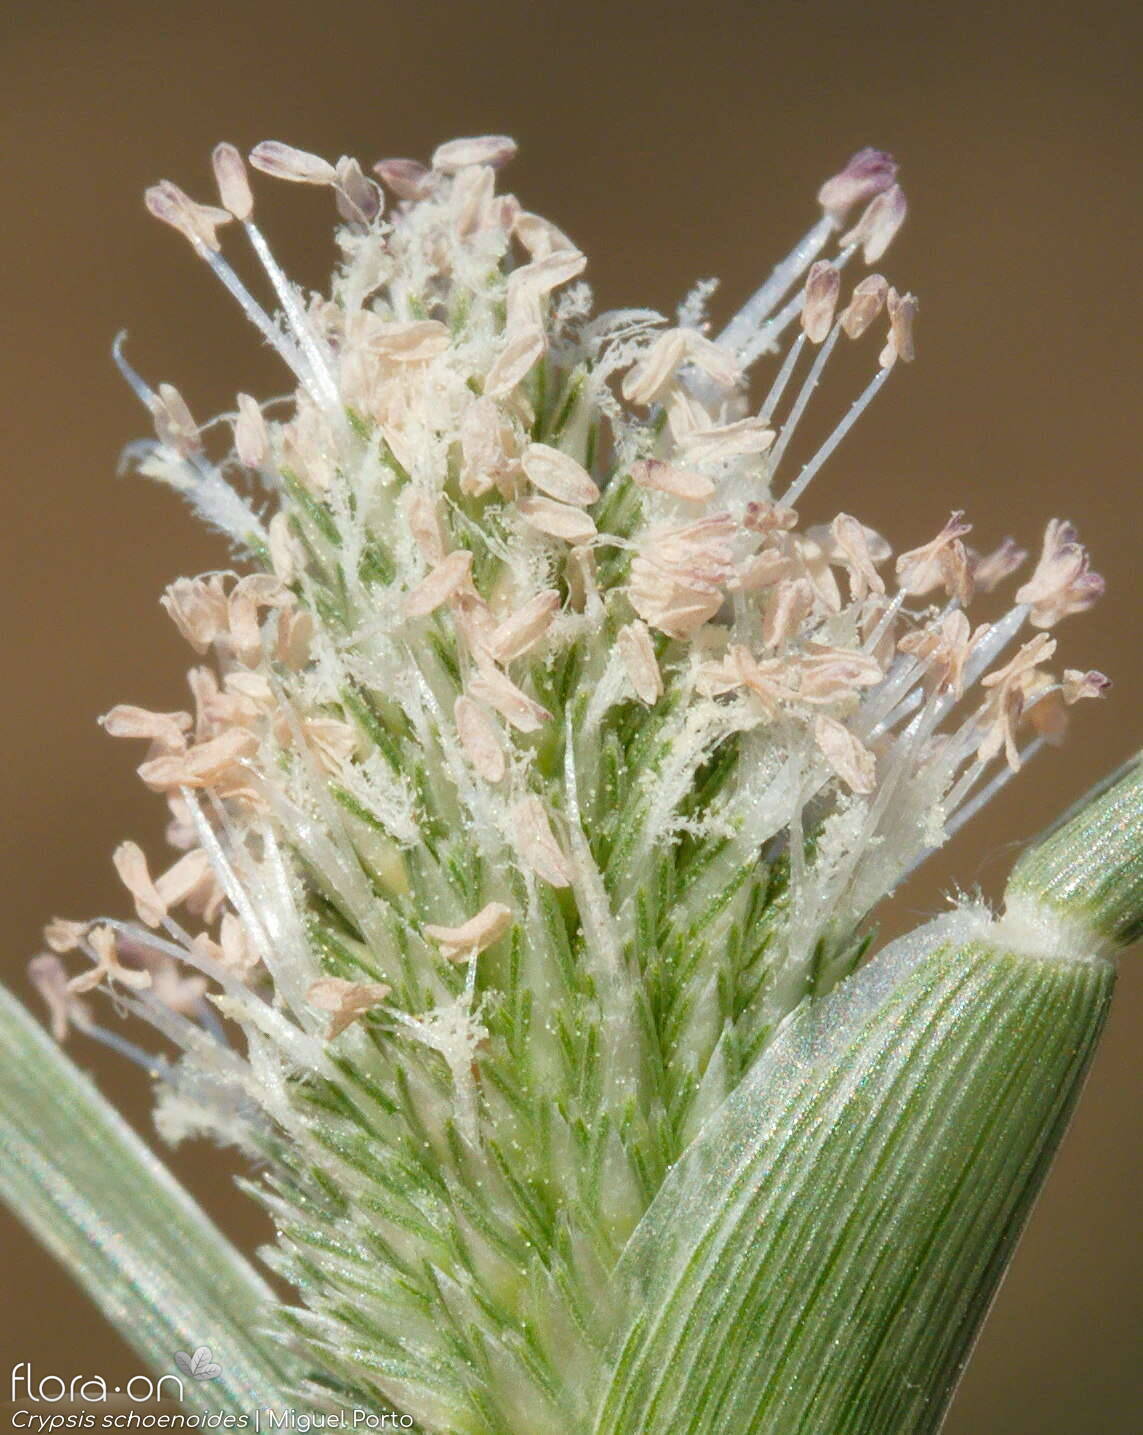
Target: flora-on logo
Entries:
(200, 1366)
(26, 1384)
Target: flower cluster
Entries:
(540, 764)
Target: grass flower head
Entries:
(540, 759)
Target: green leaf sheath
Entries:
(1089, 867)
(822, 1257)
(112, 1214)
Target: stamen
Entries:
(993, 643)
(902, 692)
(180, 1029)
(891, 611)
(988, 792)
(270, 331)
(454, 155)
(318, 363)
(196, 224)
(878, 225)
(819, 305)
(142, 390)
(865, 303)
(866, 174)
(782, 378)
(856, 409)
(773, 329)
(805, 393)
(189, 955)
(151, 1062)
(900, 764)
(298, 166)
(232, 180)
(900, 695)
(745, 325)
(235, 891)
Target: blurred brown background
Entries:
(670, 146)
